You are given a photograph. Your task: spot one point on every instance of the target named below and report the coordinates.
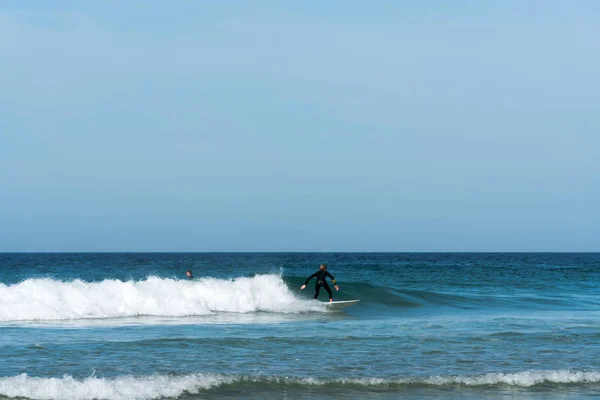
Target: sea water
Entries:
(438, 326)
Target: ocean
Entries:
(428, 325)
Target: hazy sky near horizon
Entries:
(300, 126)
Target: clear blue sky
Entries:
(300, 126)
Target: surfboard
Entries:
(342, 304)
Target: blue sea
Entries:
(428, 325)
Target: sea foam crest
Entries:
(521, 379)
(161, 386)
(122, 388)
(48, 299)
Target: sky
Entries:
(300, 126)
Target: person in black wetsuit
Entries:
(188, 273)
(321, 275)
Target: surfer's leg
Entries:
(317, 289)
(326, 286)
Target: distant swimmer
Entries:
(189, 274)
(321, 275)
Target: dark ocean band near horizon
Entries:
(428, 325)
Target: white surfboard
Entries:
(342, 304)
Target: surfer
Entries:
(321, 275)
(188, 273)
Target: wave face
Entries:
(164, 386)
(48, 299)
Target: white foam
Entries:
(161, 386)
(48, 299)
(125, 388)
(521, 379)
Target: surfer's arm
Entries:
(332, 280)
(309, 278)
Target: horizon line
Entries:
(301, 252)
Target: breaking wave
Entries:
(166, 386)
(48, 299)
